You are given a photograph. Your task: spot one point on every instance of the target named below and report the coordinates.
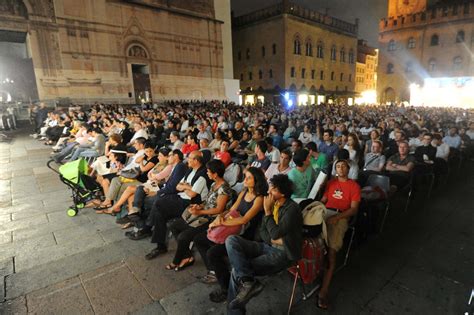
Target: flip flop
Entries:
(170, 267)
(127, 225)
(322, 303)
(187, 264)
(102, 207)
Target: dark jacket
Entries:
(289, 228)
(429, 150)
(175, 177)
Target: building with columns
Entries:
(122, 51)
(288, 53)
(426, 52)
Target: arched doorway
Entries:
(388, 95)
(138, 57)
(17, 76)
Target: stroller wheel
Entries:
(71, 212)
(80, 205)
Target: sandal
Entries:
(127, 225)
(171, 266)
(102, 207)
(322, 303)
(110, 211)
(92, 204)
(189, 262)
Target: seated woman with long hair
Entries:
(250, 205)
(156, 176)
(184, 231)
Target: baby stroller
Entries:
(84, 188)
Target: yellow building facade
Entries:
(289, 53)
(422, 40)
(366, 73)
(124, 51)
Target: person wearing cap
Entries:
(342, 198)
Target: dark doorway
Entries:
(141, 83)
(17, 76)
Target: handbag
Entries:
(220, 233)
(194, 220)
(130, 173)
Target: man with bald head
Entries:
(193, 188)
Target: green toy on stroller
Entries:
(75, 175)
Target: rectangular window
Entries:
(313, 72)
(303, 73)
(250, 75)
(321, 75)
(270, 73)
(292, 72)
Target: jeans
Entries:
(249, 259)
(58, 157)
(78, 151)
(184, 235)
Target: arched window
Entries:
(392, 45)
(333, 53)
(292, 72)
(309, 48)
(411, 43)
(263, 51)
(320, 50)
(297, 46)
(434, 40)
(460, 37)
(351, 56)
(432, 65)
(457, 63)
(390, 68)
(342, 55)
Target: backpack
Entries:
(312, 263)
(313, 220)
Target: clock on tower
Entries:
(403, 7)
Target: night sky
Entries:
(368, 11)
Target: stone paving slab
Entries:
(107, 293)
(27, 260)
(68, 297)
(40, 276)
(158, 281)
(23, 224)
(394, 299)
(31, 246)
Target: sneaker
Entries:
(247, 290)
(218, 296)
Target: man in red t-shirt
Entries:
(223, 154)
(342, 196)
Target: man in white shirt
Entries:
(191, 189)
(140, 132)
(281, 168)
(272, 153)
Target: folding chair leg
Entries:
(384, 217)
(349, 246)
(408, 199)
(297, 275)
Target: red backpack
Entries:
(313, 260)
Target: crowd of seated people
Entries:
(195, 167)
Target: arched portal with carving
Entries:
(137, 51)
(13, 7)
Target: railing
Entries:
(295, 10)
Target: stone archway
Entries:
(388, 95)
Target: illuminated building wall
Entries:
(366, 73)
(288, 48)
(419, 41)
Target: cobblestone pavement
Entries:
(54, 264)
